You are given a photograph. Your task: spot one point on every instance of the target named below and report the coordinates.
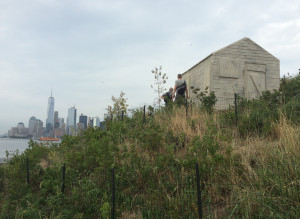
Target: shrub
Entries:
(207, 100)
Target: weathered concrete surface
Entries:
(242, 67)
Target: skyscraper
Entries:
(35, 127)
(96, 121)
(31, 125)
(90, 122)
(71, 121)
(50, 116)
(61, 122)
(83, 120)
(38, 128)
(56, 122)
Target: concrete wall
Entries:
(242, 67)
(199, 76)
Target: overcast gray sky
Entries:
(89, 50)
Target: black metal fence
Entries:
(224, 104)
(265, 192)
(260, 191)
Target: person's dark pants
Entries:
(168, 103)
(179, 99)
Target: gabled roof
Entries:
(245, 38)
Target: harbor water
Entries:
(11, 145)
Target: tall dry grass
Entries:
(261, 178)
(284, 146)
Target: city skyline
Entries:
(50, 123)
(88, 51)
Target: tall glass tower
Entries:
(50, 117)
(83, 120)
(31, 125)
(71, 121)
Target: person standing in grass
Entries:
(168, 97)
(181, 90)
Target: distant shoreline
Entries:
(17, 137)
(4, 160)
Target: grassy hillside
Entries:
(248, 171)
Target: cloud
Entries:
(282, 40)
(73, 46)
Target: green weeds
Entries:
(248, 171)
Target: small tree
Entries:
(159, 81)
(119, 105)
(207, 99)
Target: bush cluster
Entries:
(248, 171)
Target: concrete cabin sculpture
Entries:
(242, 67)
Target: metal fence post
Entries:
(27, 171)
(235, 109)
(113, 194)
(186, 108)
(63, 178)
(198, 191)
(144, 116)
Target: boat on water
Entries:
(48, 139)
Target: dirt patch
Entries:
(44, 163)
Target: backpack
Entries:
(181, 89)
(167, 96)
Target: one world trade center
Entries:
(50, 117)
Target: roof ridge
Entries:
(262, 48)
(244, 38)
